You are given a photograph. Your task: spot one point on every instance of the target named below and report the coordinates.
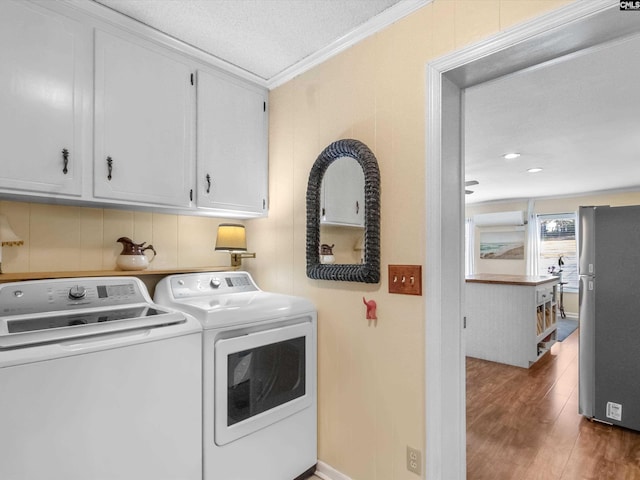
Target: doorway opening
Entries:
(569, 29)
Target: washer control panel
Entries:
(21, 298)
(211, 284)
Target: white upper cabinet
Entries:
(45, 68)
(97, 109)
(232, 165)
(144, 101)
(342, 199)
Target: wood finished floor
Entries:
(524, 424)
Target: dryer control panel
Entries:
(211, 284)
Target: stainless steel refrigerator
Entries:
(609, 268)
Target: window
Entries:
(558, 239)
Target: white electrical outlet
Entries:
(414, 460)
(614, 411)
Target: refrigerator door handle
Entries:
(586, 240)
(587, 376)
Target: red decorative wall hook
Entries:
(371, 309)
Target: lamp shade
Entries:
(7, 235)
(231, 237)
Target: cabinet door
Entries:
(143, 123)
(43, 77)
(232, 146)
(343, 193)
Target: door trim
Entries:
(577, 26)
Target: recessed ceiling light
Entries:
(534, 170)
(511, 156)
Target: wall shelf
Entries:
(20, 276)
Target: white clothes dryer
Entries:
(260, 375)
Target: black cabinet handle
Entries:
(357, 207)
(109, 167)
(208, 177)
(65, 160)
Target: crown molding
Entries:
(105, 15)
(374, 25)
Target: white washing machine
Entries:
(260, 375)
(97, 383)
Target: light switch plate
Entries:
(405, 279)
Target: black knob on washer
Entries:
(77, 292)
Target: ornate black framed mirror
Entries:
(369, 270)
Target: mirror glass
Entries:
(343, 214)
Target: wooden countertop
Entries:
(534, 280)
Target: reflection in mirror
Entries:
(342, 197)
(347, 244)
(343, 214)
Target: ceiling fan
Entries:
(469, 184)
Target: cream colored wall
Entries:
(371, 375)
(543, 206)
(64, 238)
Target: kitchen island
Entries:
(510, 318)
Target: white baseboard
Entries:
(327, 472)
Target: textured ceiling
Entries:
(576, 117)
(264, 37)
